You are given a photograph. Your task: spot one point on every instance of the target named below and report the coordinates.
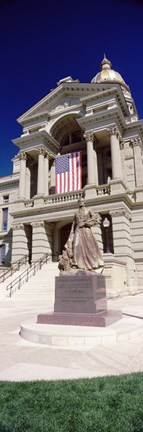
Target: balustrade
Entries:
(69, 196)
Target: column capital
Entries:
(37, 224)
(22, 156)
(41, 151)
(89, 137)
(113, 130)
(18, 226)
(135, 142)
(46, 155)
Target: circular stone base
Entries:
(80, 337)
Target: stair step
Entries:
(39, 288)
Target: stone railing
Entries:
(64, 197)
(68, 196)
(103, 190)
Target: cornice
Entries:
(135, 126)
(120, 212)
(54, 93)
(11, 179)
(113, 90)
(66, 88)
(45, 115)
(33, 137)
(115, 115)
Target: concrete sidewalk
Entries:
(21, 360)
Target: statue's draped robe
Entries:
(86, 253)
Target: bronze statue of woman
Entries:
(81, 248)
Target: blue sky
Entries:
(42, 41)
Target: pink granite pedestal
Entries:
(80, 299)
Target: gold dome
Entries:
(107, 74)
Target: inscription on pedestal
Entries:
(80, 294)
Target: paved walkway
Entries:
(21, 360)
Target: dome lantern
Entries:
(107, 74)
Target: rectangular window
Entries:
(2, 253)
(6, 198)
(76, 137)
(4, 219)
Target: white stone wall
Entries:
(115, 275)
(137, 240)
(7, 189)
(16, 164)
(123, 246)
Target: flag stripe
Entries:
(68, 172)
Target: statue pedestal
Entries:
(80, 299)
(80, 293)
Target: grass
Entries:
(109, 404)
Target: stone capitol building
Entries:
(99, 121)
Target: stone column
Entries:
(19, 242)
(136, 144)
(46, 171)
(28, 183)
(95, 166)
(122, 152)
(41, 240)
(115, 153)
(41, 166)
(22, 179)
(91, 160)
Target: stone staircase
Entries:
(40, 288)
(3, 285)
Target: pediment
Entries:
(64, 104)
(55, 102)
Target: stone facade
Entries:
(100, 120)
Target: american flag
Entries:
(68, 172)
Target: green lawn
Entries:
(109, 404)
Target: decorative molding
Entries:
(122, 145)
(38, 224)
(113, 130)
(18, 227)
(90, 137)
(66, 104)
(41, 151)
(22, 156)
(46, 152)
(29, 203)
(120, 212)
(135, 142)
(46, 155)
